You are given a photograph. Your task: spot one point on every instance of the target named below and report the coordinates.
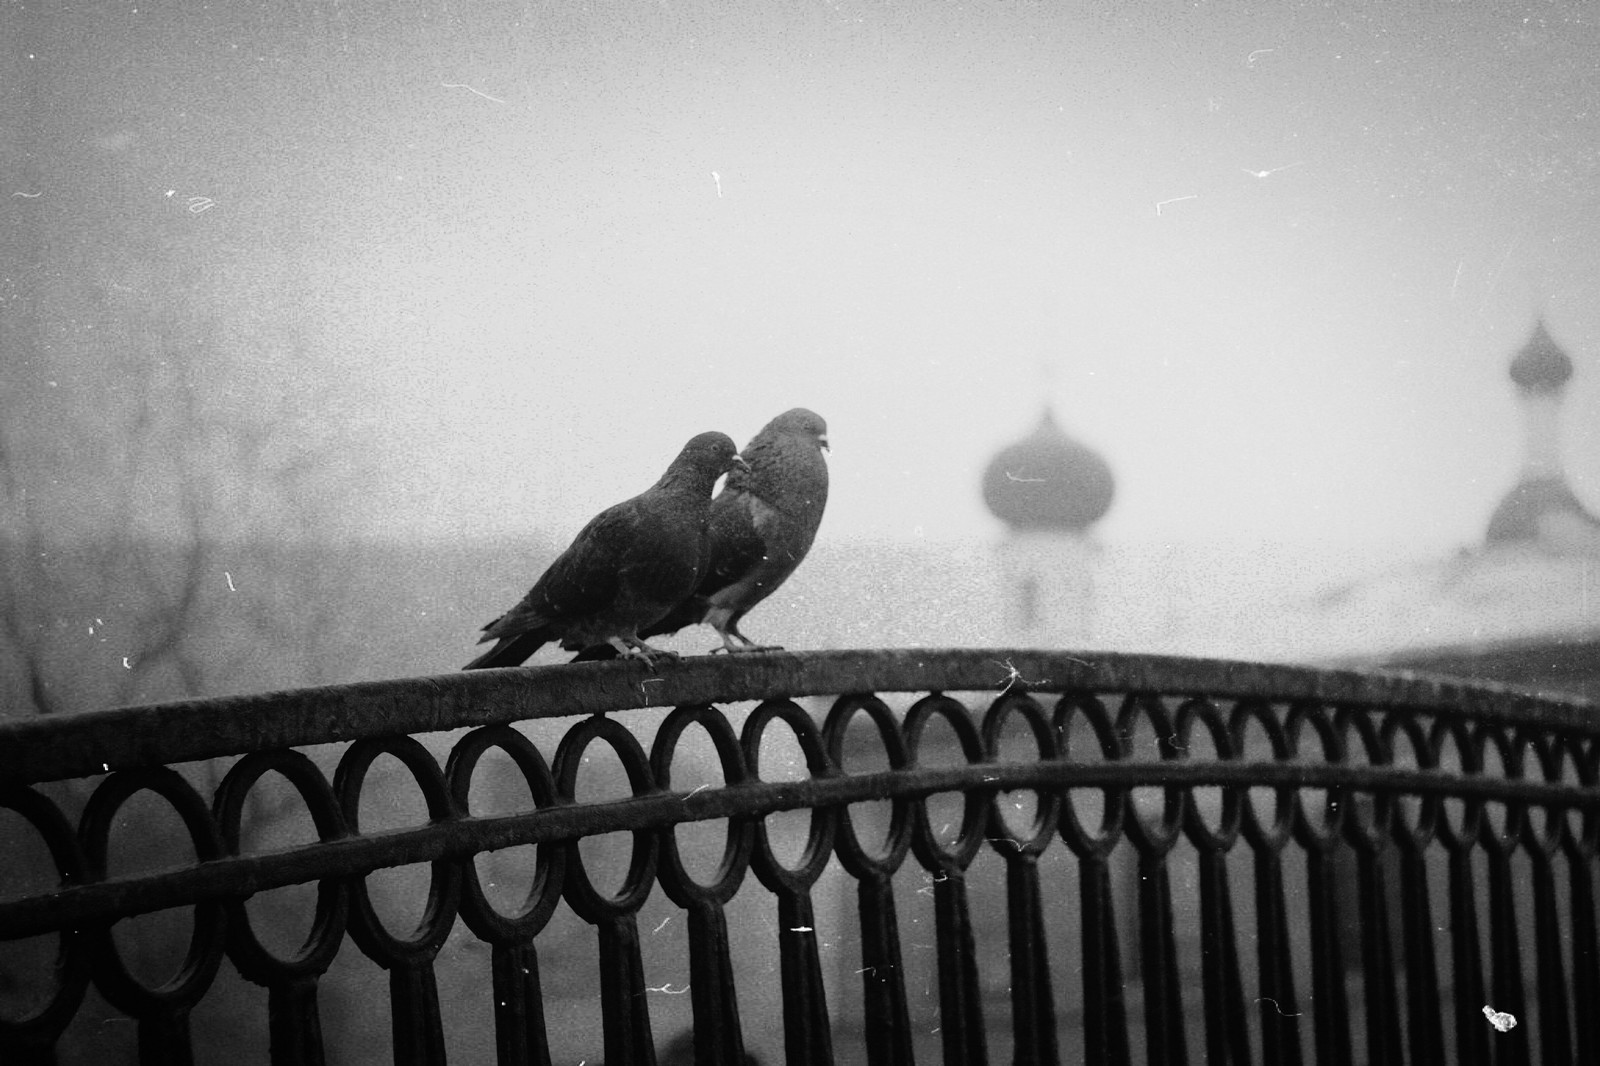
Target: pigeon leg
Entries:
(634, 648)
(731, 634)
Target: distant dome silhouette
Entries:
(1541, 365)
(1540, 370)
(1047, 480)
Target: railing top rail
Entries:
(55, 748)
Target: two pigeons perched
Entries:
(673, 557)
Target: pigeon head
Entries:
(799, 422)
(705, 458)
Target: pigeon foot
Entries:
(638, 649)
(744, 645)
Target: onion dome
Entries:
(1047, 480)
(1520, 514)
(1541, 365)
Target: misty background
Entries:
(307, 277)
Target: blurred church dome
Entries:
(1541, 365)
(1047, 480)
(1525, 512)
(1541, 507)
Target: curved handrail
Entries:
(54, 748)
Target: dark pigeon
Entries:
(626, 569)
(762, 526)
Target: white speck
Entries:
(1176, 199)
(663, 924)
(801, 929)
(1499, 1019)
(1273, 170)
(197, 204)
(229, 576)
(126, 665)
(1269, 999)
(28, 195)
(1250, 60)
(470, 89)
(718, 179)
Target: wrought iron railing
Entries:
(1272, 864)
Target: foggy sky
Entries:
(1270, 261)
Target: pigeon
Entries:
(762, 525)
(627, 568)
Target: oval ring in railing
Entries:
(1369, 832)
(444, 884)
(824, 822)
(897, 840)
(321, 945)
(1114, 798)
(208, 940)
(935, 857)
(1505, 834)
(549, 875)
(1323, 834)
(1546, 825)
(580, 892)
(1458, 733)
(1153, 836)
(45, 1022)
(1273, 836)
(1047, 803)
(1415, 836)
(1201, 710)
(676, 881)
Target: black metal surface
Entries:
(1317, 772)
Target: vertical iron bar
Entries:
(1424, 1025)
(1227, 1043)
(1163, 1005)
(1555, 1032)
(519, 1033)
(1377, 960)
(1331, 1006)
(164, 1039)
(1585, 955)
(1033, 1009)
(624, 1010)
(1506, 961)
(960, 1001)
(883, 977)
(1280, 1010)
(1466, 957)
(414, 1015)
(294, 1022)
(807, 1029)
(1105, 1020)
(718, 1037)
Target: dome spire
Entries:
(1541, 366)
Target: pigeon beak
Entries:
(738, 461)
(822, 439)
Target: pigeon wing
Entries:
(579, 585)
(734, 548)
